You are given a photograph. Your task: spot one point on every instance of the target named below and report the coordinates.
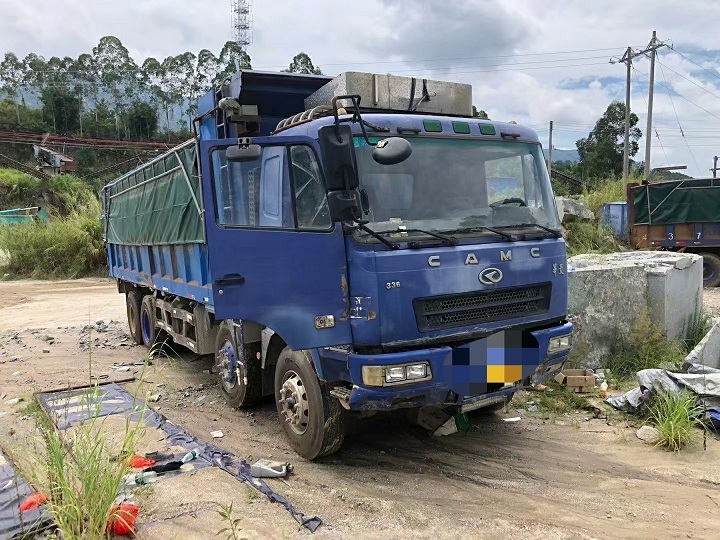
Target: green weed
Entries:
(233, 524)
(561, 400)
(604, 192)
(675, 416)
(646, 347)
(589, 237)
(79, 470)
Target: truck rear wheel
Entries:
(133, 301)
(314, 421)
(711, 269)
(240, 382)
(148, 330)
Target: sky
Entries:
(527, 61)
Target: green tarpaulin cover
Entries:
(159, 203)
(685, 201)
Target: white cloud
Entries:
(490, 44)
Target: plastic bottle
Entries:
(139, 479)
(192, 454)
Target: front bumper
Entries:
(465, 376)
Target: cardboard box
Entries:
(577, 380)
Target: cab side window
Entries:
(311, 206)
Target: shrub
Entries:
(61, 248)
(646, 347)
(675, 416)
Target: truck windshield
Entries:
(457, 186)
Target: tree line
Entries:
(107, 94)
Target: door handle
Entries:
(230, 279)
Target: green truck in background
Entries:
(23, 215)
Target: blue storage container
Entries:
(615, 216)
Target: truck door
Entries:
(275, 257)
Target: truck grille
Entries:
(478, 307)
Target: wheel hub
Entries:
(228, 366)
(294, 402)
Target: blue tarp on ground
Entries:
(72, 407)
(14, 489)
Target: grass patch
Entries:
(63, 248)
(646, 347)
(561, 400)
(589, 237)
(62, 194)
(77, 472)
(80, 470)
(606, 191)
(675, 416)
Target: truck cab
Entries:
(365, 258)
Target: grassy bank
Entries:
(591, 236)
(68, 246)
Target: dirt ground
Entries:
(567, 477)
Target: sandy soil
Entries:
(568, 477)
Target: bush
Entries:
(646, 347)
(63, 248)
(589, 237)
(675, 416)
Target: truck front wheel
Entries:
(314, 421)
(711, 269)
(134, 301)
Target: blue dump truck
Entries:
(347, 245)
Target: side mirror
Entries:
(343, 206)
(243, 154)
(338, 155)
(392, 151)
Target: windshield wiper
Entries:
(446, 239)
(556, 234)
(481, 228)
(377, 235)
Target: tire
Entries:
(241, 386)
(711, 269)
(148, 330)
(314, 422)
(133, 300)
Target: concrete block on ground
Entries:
(608, 293)
(604, 303)
(707, 352)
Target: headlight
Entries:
(394, 374)
(560, 344)
(416, 371)
(391, 375)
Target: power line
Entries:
(667, 161)
(672, 90)
(689, 80)
(450, 69)
(521, 69)
(714, 74)
(419, 60)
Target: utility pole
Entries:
(715, 167)
(550, 150)
(627, 59)
(652, 47)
